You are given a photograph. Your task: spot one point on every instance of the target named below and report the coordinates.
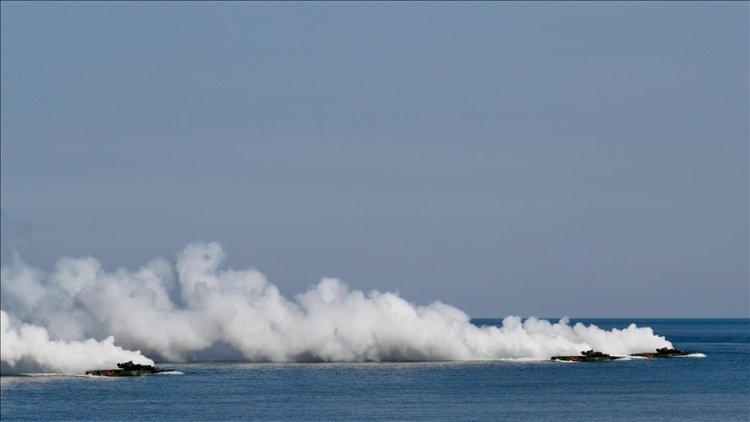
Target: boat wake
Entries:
(42, 374)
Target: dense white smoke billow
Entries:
(30, 349)
(179, 315)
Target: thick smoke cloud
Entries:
(29, 349)
(195, 308)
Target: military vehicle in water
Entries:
(587, 356)
(128, 369)
(661, 353)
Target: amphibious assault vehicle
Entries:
(661, 353)
(587, 356)
(128, 369)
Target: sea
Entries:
(712, 385)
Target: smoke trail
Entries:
(176, 313)
(29, 349)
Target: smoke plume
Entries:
(29, 349)
(194, 308)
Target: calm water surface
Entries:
(716, 387)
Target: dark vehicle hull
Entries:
(122, 372)
(661, 355)
(585, 358)
(119, 373)
(127, 369)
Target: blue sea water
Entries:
(715, 387)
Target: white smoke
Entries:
(30, 349)
(176, 316)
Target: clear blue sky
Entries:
(582, 159)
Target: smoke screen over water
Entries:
(81, 316)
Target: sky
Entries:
(549, 159)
